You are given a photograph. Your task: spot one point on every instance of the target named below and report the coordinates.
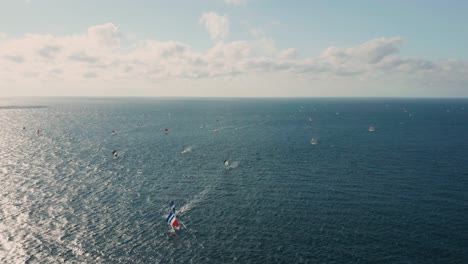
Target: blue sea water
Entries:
(398, 194)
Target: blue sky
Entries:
(412, 34)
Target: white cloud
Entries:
(107, 35)
(49, 51)
(14, 58)
(288, 54)
(97, 58)
(217, 25)
(89, 75)
(372, 51)
(83, 58)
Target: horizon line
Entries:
(229, 97)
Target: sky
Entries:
(234, 48)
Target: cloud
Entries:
(49, 51)
(81, 57)
(162, 49)
(14, 58)
(216, 25)
(372, 51)
(235, 2)
(89, 75)
(107, 35)
(56, 71)
(288, 53)
(97, 55)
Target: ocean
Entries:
(311, 180)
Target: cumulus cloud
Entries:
(372, 51)
(49, 51)
(56, 71)
(89, 75)
(81, 57)
(107, 35)
(217, 25)
(288, 53)
(96, 55)
(14, 58)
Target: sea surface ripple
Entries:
(393, 193)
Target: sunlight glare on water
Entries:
(397, 195)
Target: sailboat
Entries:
(171, 218)
(314, 141)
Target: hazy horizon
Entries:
(233, 97)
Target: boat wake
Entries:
(186, 150)
(234, 165)
(193, 202)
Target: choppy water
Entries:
(397, 193)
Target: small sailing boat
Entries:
(371, 129)
(314, 141)
(171, 218)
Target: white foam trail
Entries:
(193, 202)
(186, 150)
(219, 129)
(234, 165)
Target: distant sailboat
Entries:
(314, 141)
(371, 129)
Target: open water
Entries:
(385, 180)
